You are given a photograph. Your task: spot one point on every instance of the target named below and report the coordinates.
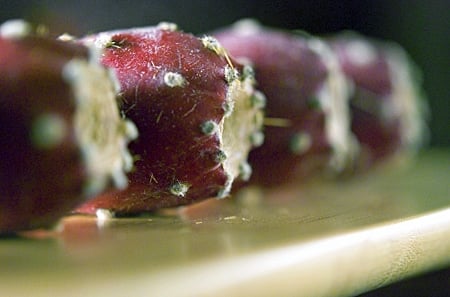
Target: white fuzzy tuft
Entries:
(16, 28)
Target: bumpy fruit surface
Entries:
(307, 130)
(62, 137)
(387, 109)
(195, 110)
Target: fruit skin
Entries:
(194, 111)
(306, 100)
(47, 140)
(387, 106)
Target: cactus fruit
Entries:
(196, 110)
(62, 136)
(307, 129)
(387, 108)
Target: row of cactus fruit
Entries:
(140, 119)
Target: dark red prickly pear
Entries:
(195, 110)
(308, 128)
(62, 136)
(388, 112)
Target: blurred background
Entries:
(421, 27)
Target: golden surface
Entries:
(327, 239)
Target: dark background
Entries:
(422, 27)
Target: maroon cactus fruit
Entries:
(386, 105)
(195, 111)
(62, 137)
(307, 128)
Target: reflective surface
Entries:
(326, 239)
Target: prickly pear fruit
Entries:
(196, 110)
(307, 127)
(387, 108)
(62, 136)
